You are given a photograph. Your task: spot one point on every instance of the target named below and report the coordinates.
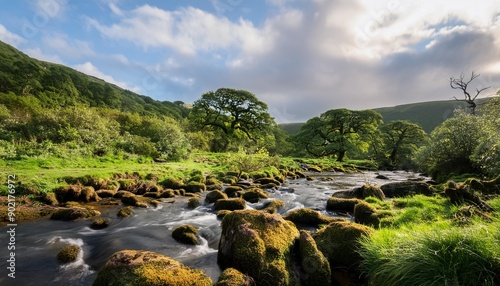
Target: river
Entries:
(39, 241)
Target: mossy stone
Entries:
(309, 217)
(106, 193)
(138, 268)
(339, 204)
(372, 191)
(254, 195)
(339, 242)
(230, 204)
(49, 198)
(258, 244)
(186, 234)
(67, 214)
(194, 202)
(265, 181)
(222, 213)
(233, 277)
(167, 194)
(231, 191)
(214, 196)
(315, 269)
(366, 214)
(100, 223)
(130, 199)
(68, 254)
(195, 187)
(125, 212)
(172, 183)
(272, 206)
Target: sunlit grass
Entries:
(433, 254)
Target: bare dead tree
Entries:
(460, 83)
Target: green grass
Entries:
(433, 254)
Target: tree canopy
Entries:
(338, 131)
(231, 114)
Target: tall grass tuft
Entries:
(433, 257)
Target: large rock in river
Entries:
(136, 267)
(260, 245)
(406, 188)
(361, 193)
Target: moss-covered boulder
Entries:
(254, 195)
(214, 196)
(233, 277)
(49, 198)
(106, 193)
(186, 233)
(267, 180)
(172, 183)
(138, 268)
(339, 242)
(315, 269)
(100, 223)
(232, 191)
(76, 213)
(68, 254)
(258, 244)
(195, 187)
(361, 193)
(166, 194)
(130, 200)
(124, 212)
(306, 216)
(407, 188)
(121, 194)
(366, 214)
(194, 202)
(76, 193)
(341, 205)
(272, 206)
(230, 204)
(222, 213)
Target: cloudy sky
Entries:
(300, 57)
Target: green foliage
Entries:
(426, 255)
(233, 116)
(337, 132)
(401, 140)
(241, 162)
(451, 146)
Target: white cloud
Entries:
(38, 54)
(9, 37)
(67, 47)
(90, 69)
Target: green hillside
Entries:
(57, 85)
(428, 114)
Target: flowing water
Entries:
(38, 242)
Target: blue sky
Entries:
(300, 57)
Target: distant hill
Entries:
(58, 85)
(428, 114)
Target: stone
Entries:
(406, 188)
(138, 268)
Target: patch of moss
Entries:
(233, 277)
(339, 242)
(214, 196)
(230, 204)
(308, 216)
(68, 254)
(339, 204)
(315, 269)
(138, 268)
(49, 198)
(186, 234)
(172, 183)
